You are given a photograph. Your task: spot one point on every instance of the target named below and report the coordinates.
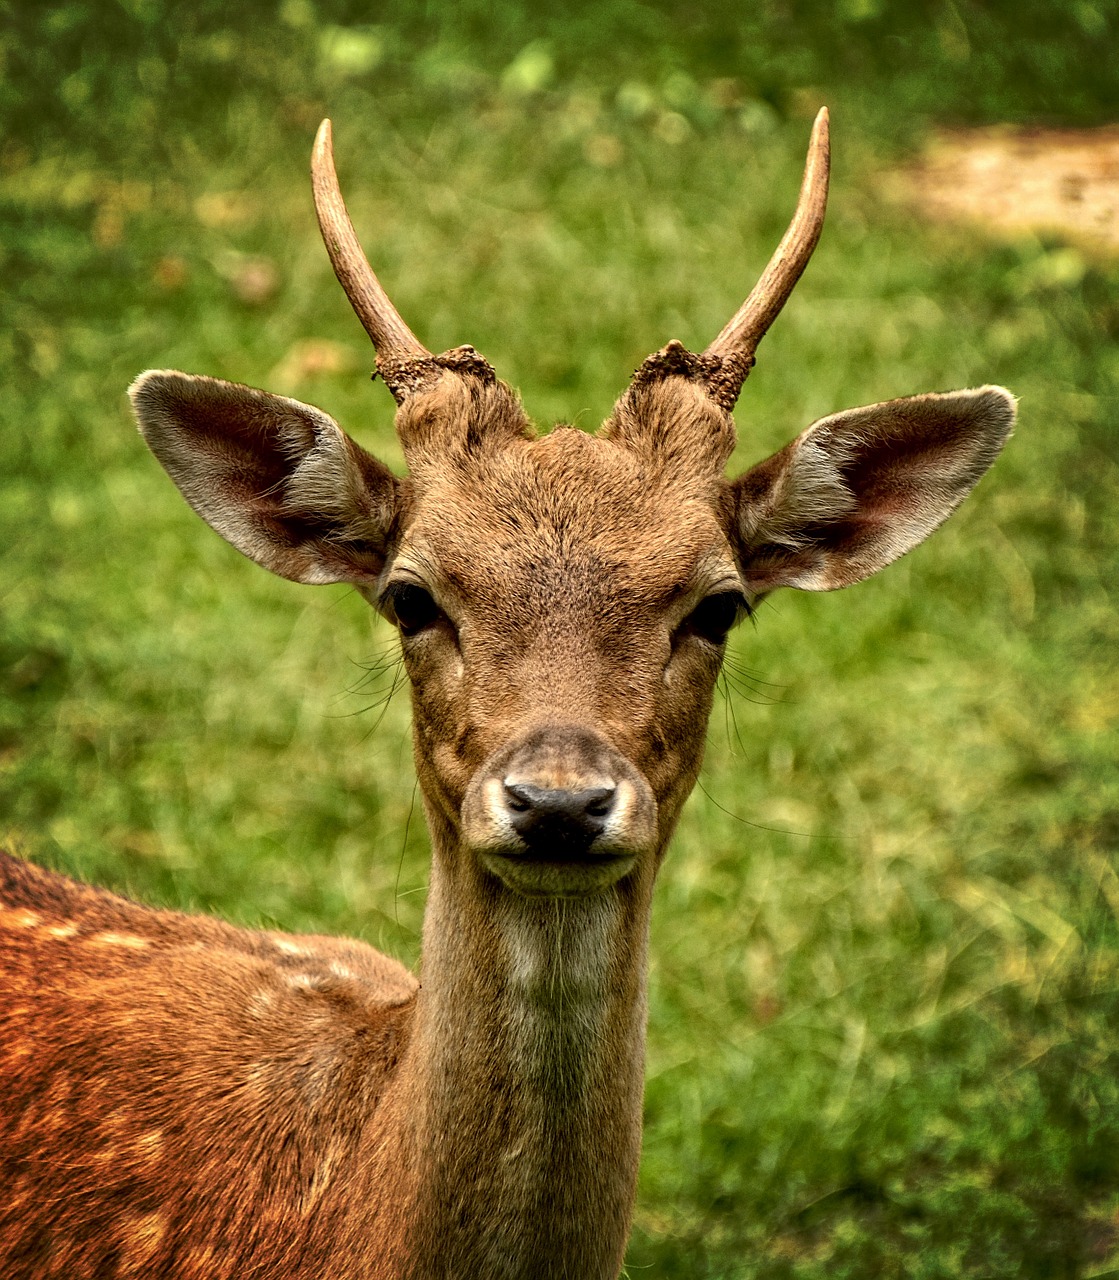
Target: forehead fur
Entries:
(566, 514)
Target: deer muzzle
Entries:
(558, 811)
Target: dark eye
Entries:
(412, 608)
(714, 616)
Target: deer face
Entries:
(563, 600)
(561, 634)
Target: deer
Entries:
(184, 1099)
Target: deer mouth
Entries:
(558, 876)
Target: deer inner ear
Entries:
(278, 479)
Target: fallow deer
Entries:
(182, 1098)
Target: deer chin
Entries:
(534, 877)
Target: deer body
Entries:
(269, 1107)
(180, 1098)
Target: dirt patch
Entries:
(1061, 182)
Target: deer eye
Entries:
(714, 616)
(411, 607)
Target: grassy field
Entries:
(884, 1032)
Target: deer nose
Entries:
(554, 820)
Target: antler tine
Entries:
(380, 319)
(752, 320)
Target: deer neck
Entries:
(525, 1072)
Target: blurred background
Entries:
(884, 1034)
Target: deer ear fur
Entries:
(278, 479)
(860, 488)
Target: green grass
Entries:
(885, 984)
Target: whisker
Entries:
(747, 673)
(386, 660)
(383, 703)
(734, 721)
(747, 686)
(758, 826)
(397, 894)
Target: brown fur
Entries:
(183, 1099)
(180, 1097)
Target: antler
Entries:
(739, 339)
(722, 368)
(392, 338)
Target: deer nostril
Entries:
(556, 816)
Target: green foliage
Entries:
(884, 985)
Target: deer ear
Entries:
(859, 489)
(278, 479)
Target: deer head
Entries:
(563, 599)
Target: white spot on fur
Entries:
(150, 1144)
(110, 939)
(140, 1237)
(19, 918)
(261, 1003)
(290, 948)
(321, 1179)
